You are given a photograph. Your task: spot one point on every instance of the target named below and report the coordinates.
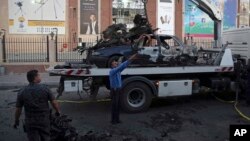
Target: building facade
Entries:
(71, 18)
(30, 26)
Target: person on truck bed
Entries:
(115, 87)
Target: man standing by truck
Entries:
(34, 98)
(115, 87)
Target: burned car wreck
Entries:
(154, 50)
(169, 52)
(118, 43)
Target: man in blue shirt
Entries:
(115, 87)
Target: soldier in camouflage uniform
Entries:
(34, 98)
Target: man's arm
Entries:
(132, 57)
(18, 113)
(53, 101)
(55, 105)
(19, 105)
(17, 116)
(123, 65)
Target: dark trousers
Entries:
(115, 110)
(248, 88)
(36, 133)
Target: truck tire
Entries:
(136, 97)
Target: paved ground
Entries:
(15, 80)
(193, 118)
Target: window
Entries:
(243, 14)
(124, 11)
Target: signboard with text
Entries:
(199, 24)
(89, 23)
(165, 18)
(36, 16)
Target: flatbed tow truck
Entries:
(142, 84)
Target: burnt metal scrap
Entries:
(142, 26)
(62, 130)
(117, 34)
(114, 35)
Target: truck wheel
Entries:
(136, 97)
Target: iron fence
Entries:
(36, 48)
(66, 50)
(25, 49)
(203, 43)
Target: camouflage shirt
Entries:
(34, 98)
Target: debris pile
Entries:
(62, 130)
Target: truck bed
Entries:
(226, 65)
(87, 72)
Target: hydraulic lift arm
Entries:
(215, 14)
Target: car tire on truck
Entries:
(136, 97)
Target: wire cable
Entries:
(235, 106)
(82, 102)
(240, 113)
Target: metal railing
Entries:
(200, 42)
(25, 49)
(66, 49)
(36, 48)
(204, 43)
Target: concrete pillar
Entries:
(52, 52)
(152, 14)
(4, 24)
(4, 17)
(105, 12)
(179, 18)
(2, 69)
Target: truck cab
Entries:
(238, 41)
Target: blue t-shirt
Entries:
(115, 75)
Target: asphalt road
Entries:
(192, 118)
